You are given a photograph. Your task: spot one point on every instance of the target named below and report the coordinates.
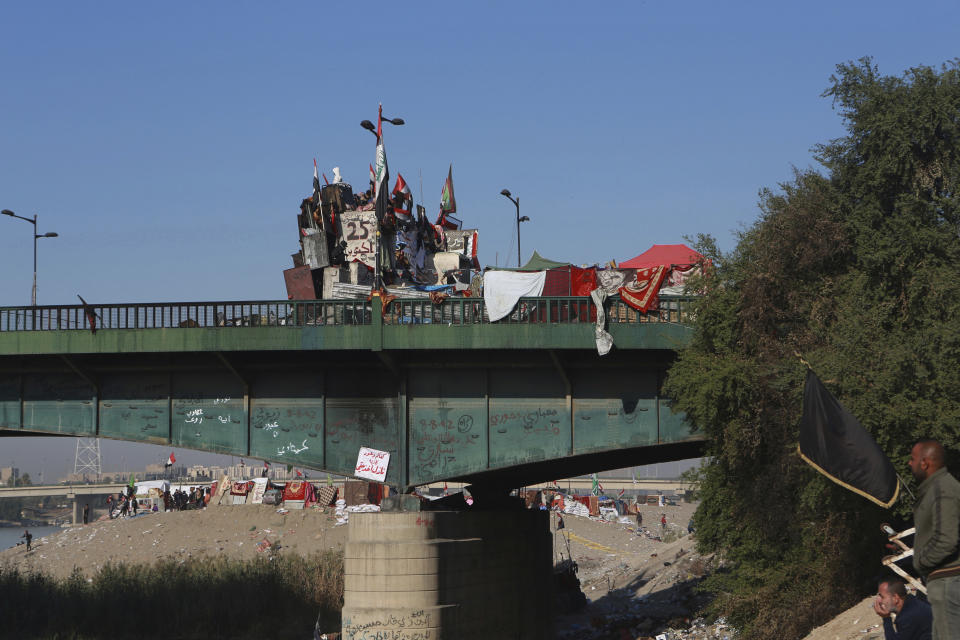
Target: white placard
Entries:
(372, 464)
(359, 232)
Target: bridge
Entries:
(448, 394)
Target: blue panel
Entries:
(286, 419)
(135, 406)
(529, 419)
(611, 412)
(208, 413)
(447, 416)
(362, 411)
(10, 402)
(60, 403)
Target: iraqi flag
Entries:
(402, 200)
(834, 443)
(381, 174)
(170, 461)
(316, 184)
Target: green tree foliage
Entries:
(858, 269)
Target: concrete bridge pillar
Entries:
(434, 575)
(76, 509)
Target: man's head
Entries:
(892, 594)
(925, 458)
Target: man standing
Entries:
(936, 553)
(913, 615)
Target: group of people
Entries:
(125, 504)
(936, 556)
(179, 500)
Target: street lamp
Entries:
(36, 236)
(506, 192)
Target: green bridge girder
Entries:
(457, 398)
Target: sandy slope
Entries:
(625, 576)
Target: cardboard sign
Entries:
(372, 464)
(359, 232)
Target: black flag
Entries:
(834, 443)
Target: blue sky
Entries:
(169, 146)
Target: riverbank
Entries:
(241, 533)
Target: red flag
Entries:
(90, 314)
(170, 460)
(402, 197)
(299, 473)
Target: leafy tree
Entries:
(855, 268)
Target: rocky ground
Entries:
(636, 585)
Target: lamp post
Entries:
(366, 124)
(36, 236)
(506, 192)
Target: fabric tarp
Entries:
(665, 254)
(503, 289)
(641, 294)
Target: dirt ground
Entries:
(636, 585)
(234, 531)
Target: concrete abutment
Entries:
(433, 575)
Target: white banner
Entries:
(372, 464)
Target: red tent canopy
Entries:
(668, 254)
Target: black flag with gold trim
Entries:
(834, 443)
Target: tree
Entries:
(855, 268)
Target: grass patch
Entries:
(207, 597)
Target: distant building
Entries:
(6, 473)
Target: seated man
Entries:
(914, 618)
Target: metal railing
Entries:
(300, 313)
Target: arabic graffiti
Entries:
(292, 448)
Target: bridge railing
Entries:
(299, 313)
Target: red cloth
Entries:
(642, 293)
(295, 491)
(557, 282)
(582, 281)
(239, 489)
(666, 254)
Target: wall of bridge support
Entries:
(448, 574)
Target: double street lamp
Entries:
(506, 192)
(36, 236)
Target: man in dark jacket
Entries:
(913, 615)
(936, 552)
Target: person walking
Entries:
(110, 505)
(663, 525)
(28, 537)
(639, 519)
(936, 553)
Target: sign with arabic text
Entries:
(359, 232)
(372, 464)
